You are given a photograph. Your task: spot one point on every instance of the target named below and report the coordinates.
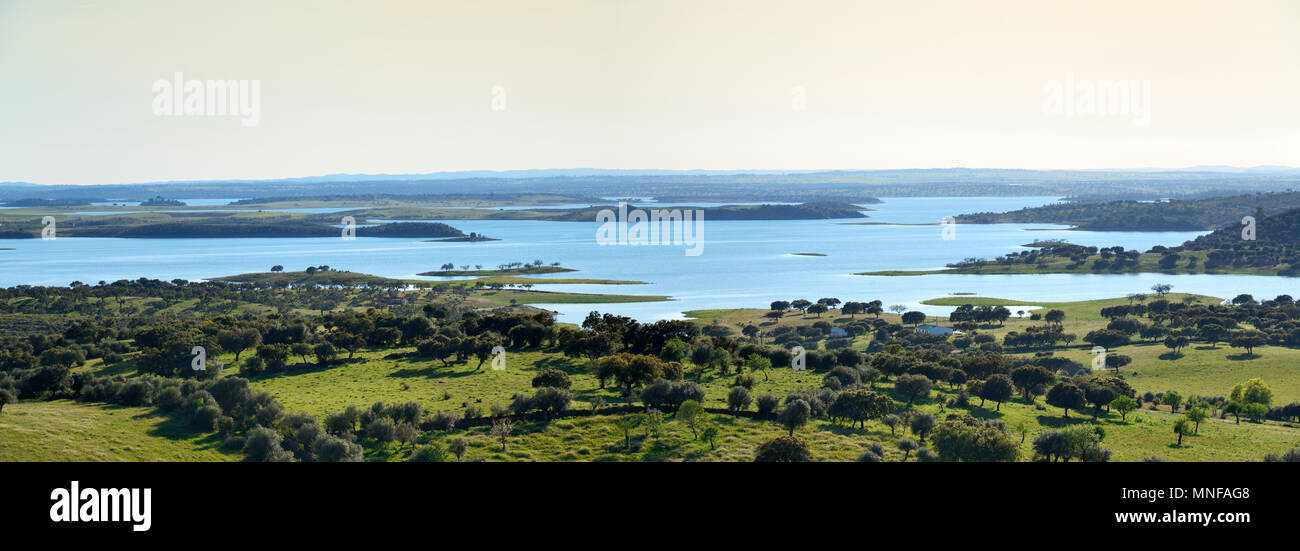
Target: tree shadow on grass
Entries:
(1056, 421)
(176, 430)
(1243, 357)
(1171, 356)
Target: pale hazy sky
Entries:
(406, 87)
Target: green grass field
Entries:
(63, 430)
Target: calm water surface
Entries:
(744, 263)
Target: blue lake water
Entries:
(743, 263)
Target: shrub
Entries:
(458, 447)
(783, 449)
(332, 449)
(445, 420)
(767, 403)
(738, 399)
(432, 453)
(552, 378)
(263, 445)
(869, 457)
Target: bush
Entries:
(169, 399)
(332, 449)
(869, 457)
(445, 420)
(767, 403)
(263, 445)
(432, 453)
(458, 447)
(552, 378)
(382, 429)
(745, 380)
(551, 399)
(783, 449)
(738, 399)
(205, 418)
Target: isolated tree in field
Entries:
(626, 424)
(922, 424)
(891, 421)
(800, 304)
(1248, 340)
(501, 429)
(998, 388)
(738, 399)
(239, 340)
(1116, 361)
(1253, 391)
(818, 309)
(1124, 405)
(907, 446)
(1177, 342)
(913, 317)
(1027, 377)
(1054, 316)
(897, 308)
(783, 449)
(1022, 428)
(692, 414)
(458, 447)
(1181, 428)
(1172, 399)
(1195, 416)
(552, 378)
(710, 435)
(1162, 289)
(794, 415)
(1066, 396)
(913, 385)
(780, 305)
